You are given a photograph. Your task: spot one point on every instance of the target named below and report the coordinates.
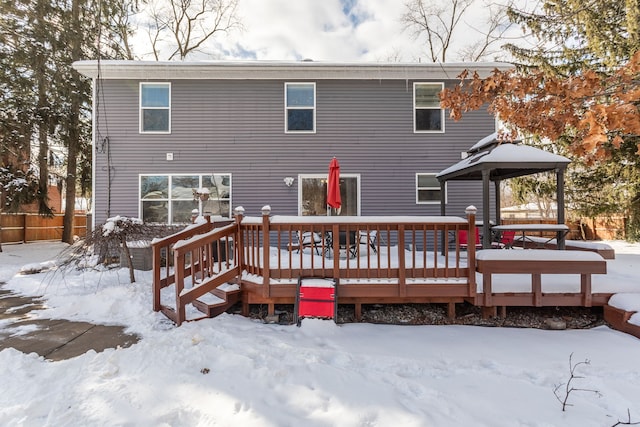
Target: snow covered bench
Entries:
(536, 263)
(621, 312)
(601, 248)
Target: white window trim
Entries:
(413, 111)
(140, 129)
(324, 176)
(169, 199)
(286, 108)
(437, 202)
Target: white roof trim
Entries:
(276, 70)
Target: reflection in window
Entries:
(176, 206)
(314, 196)
(428, 114)
(427, 188)
(154, 187)
(300, 104)
(155, 107)
(182, 186)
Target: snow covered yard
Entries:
(233, 370)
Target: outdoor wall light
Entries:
(288, 181)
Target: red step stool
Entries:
(316, 297)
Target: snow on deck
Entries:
(537, 254)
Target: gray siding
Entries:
(237, 127)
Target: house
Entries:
(171, 137)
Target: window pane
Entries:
(300, 95)
(428, 195)
(154, 187)
(155, 120)
(161, 192)
(349, 196)
(427, 96)
(217, 207)
(300, 120)
(155, 95)
(182, 186)
(428, 120)
(181, 211)
(428, 181)
(155, 211)
(314, 196)
(219, 186)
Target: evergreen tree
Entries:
(580, 88)
(574, 35)
(579, 35)
(45, 100)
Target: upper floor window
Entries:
(427, 188)
(155, 107)
(300, 107)
(428, 117)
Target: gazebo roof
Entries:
(503, 160)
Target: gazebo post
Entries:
(486, 211)
(498, 216)
(560, 202)
(443, 212)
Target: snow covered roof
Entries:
(278, 70)
(487, 142)
(502, 160)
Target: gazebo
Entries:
(493, 160)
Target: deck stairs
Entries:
(217, 301)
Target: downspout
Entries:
(94, 154)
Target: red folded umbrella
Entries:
(333, 185)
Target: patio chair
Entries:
(316, 297)
(348, 242)
(368, 238)
(309, 240)
(507, 238)
(464, 241)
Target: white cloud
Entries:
(327, 30)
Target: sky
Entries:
(328, 30)
(233, 370)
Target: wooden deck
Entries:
(536, 264)
(411, 260)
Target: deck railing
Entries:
(385, 259)
(194, 260)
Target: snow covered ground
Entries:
(236, 371)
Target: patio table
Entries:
(561, 231)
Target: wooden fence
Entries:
(25, 227)
(601, 228)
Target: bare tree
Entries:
(489, 37)
(118, 28)
(440, 22)
(185, 25)
(563, 396)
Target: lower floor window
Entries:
(312, 197)
(173, 199)
(427, 188)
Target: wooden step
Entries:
(217, 301)
(619, 319)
